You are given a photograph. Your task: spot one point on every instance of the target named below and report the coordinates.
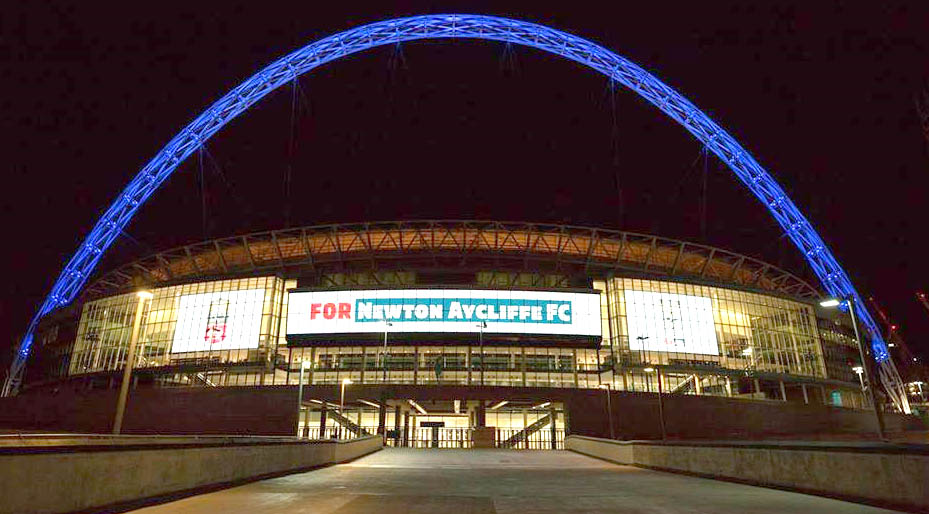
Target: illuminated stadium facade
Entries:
(452, 326)
(611, 309)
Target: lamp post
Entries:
(387, 325)
(609, 408)
(859, 370)
(303, 367)
(345, 382)
(664, 434)
(130, 360)
(482, 325)
(868, 382)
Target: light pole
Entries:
(482, 325)
(609, 408)
(345, 382)
(868, 382)
(130, 360)
(303, 367)
(859, 370)
(387, 325)
(664, 434)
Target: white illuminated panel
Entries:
(668, 322)
(218, 321)
(443, 311)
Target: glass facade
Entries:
(229, 324)
(700, 339)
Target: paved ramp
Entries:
(487, 481)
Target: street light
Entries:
(306, 428)
(130, 361)
(482, 325)
(345, 382)
(387, 325)
(867, 382)
(664, 434)
(609, 408)
(860, 371)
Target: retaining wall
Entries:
(892, 475)
(50, 474)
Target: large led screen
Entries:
(668, 322)
(443, 310)
(226, 320)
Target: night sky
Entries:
(822, 95)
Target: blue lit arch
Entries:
(149, 179)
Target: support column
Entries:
(783, 391)
(415, 365)
(397, 425)
(525, 425)
(576, 382)
(806, 399)
(306, 421)
(698, 387)
(728, 386)
(757, 385)
(382, 416)
(322, 422)
(364, 363)
(406, 429)
(480, 414)
(554, 432)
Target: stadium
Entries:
(453, 333)
(434, 332)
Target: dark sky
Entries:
(820, 92)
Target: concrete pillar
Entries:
(757, 385)
(554, 432)
(406, 429)
(728, 386)
(364, 360)
(806, 398)
(322, 422)
(306, 422)
(397, 425)
(415, 365)
(783, 391)
(468, 357)
(576, 381)
(698, 387)
(382, 416)
(525, 425)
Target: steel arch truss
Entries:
(284, 70)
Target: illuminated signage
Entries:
(443, 310)
(226, 320)
(668, 322)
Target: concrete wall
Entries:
(226, 410)
(45, 476)
(635, 416)
(886, 474)
(271, 410)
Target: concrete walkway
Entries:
(488, 481)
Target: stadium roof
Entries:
(378, 243)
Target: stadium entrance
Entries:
(507, 423)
